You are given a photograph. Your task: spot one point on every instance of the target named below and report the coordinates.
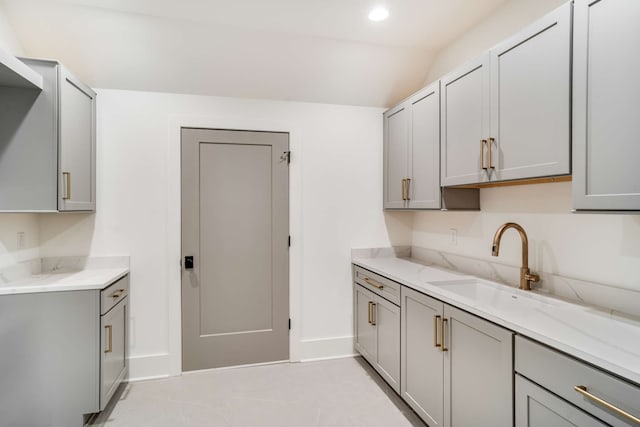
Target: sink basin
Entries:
(482, 292)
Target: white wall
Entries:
(12, 224)
(598, 248)
(336, 184)
(601, 248)
(503, 22)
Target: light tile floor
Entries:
(342, 392)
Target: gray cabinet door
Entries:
(365, 331)
(422, 374)
(465, 123)
(77, 175)
(478, 373)
(537, 407)
(606, 105)
(424, 149)
(530, 100)
(396, 145)
(113, 350)
(386, 317)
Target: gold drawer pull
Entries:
(583, 391)
(435, 331)
(373, 283)
(117, 293)
(482, 144)
(408, 189)
(404, 189)
(442, 329)
(110, 339)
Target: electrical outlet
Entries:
(454, 236)
(20, 240)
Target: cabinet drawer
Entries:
(560, 373)
(377, 284)
(113, 294)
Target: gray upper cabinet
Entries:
(465, 123)
(48, 144)
(412, 152)
(506, 115)
(531, 100)
(606, 105)
(396, 144)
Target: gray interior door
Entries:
(235, 225)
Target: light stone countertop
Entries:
(88, 279)
(62, 274)
(587, 333)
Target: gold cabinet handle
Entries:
(408, 186)
(374, 308)
(490, 143)
(117, 293)
(67, 192)
(436, 319)
(404, 189)
(109, 349)
(482, 144)
(583, 391)
(442, 329)
(373, 283)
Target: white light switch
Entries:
(20, 240)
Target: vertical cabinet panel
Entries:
(530, 100)
(606, 105)
(422, 378)
(77, 144)
(395, 156)
(465, 123)
(424, 149)
(113, 351)
(366, 342)
(478, 374)
(387, 319)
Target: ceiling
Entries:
(303, 50)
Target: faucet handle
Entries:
(532, 277)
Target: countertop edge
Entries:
(433, 291)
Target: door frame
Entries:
(174, 221)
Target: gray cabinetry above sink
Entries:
(48, 143)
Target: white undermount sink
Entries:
(484, 292)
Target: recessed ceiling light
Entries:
(379, 14)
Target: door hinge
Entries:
(289, 241)
(286, 156)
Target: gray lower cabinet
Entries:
(537, 407)
(113, 348)
(457, 369)
(569, 392)
(506, 115)
(377, 333)
(48, 143)
(58, 362)
(606, 105)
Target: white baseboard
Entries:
(327, 348)
(149, 366)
